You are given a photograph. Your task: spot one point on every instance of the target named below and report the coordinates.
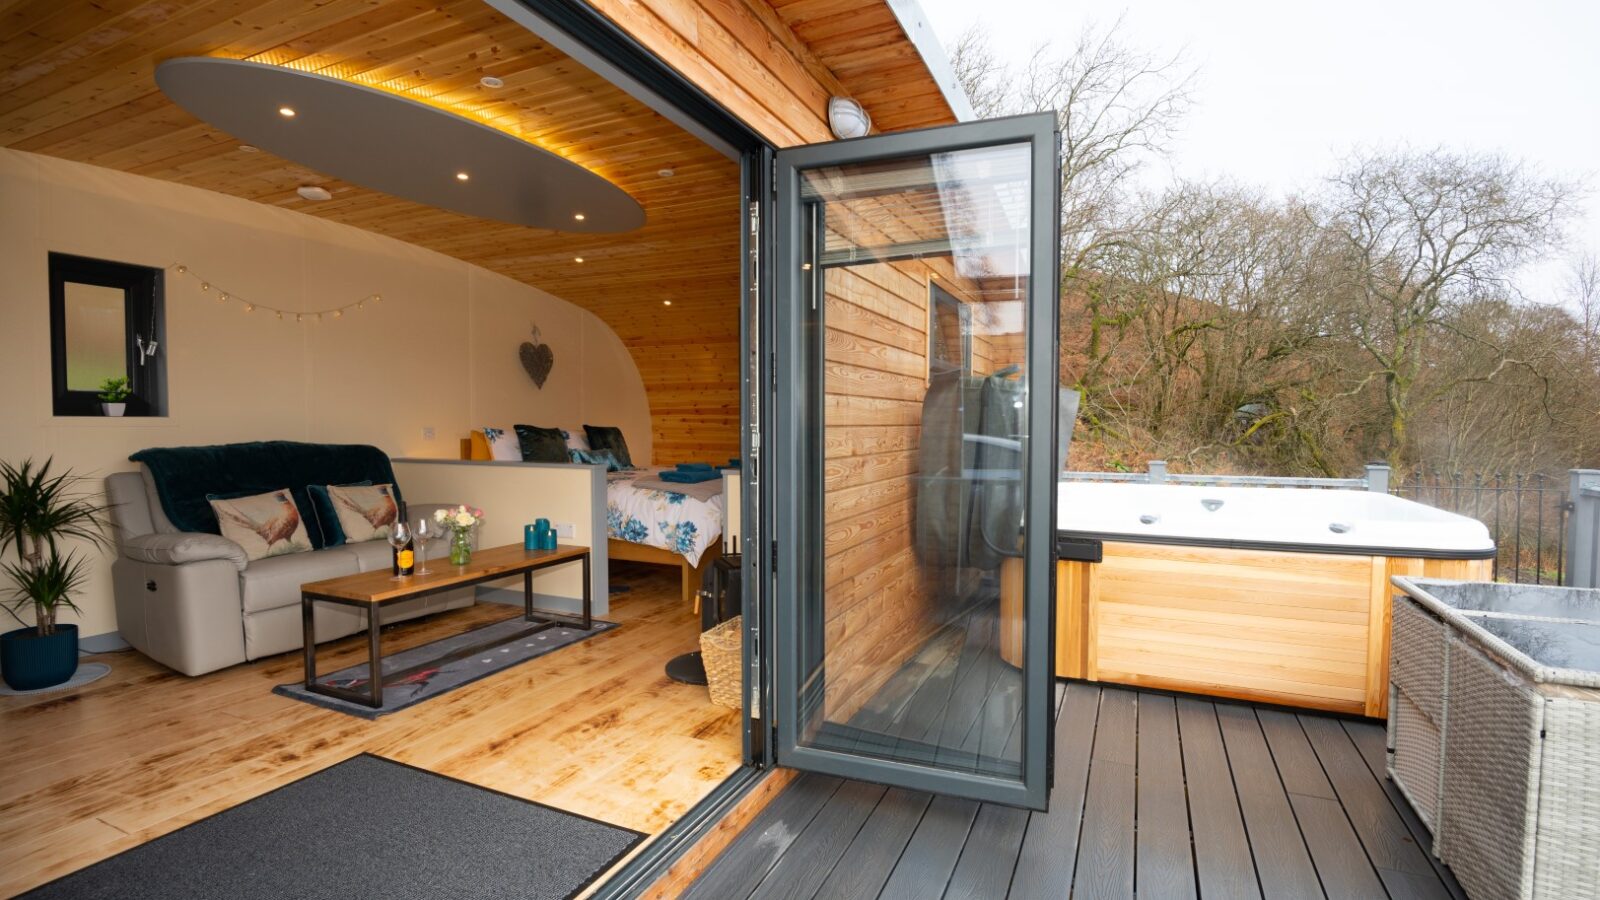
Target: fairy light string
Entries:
(250, 306)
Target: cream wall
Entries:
(440, 351)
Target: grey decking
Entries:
(1155, 797)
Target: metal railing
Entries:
(1525, 514)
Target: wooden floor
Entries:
(595, 728)
(1155, 797)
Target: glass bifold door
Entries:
(915, 425)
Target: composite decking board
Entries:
(1283, 862)
(806, 863)
(865, 867)
(1253, 781)
(1296, 762)
(930, 857)
(1342, 864)
(1164, 864)
(990, 856)
(1047, 862)
(741, 867)
(1105, 852)
(1371, 740)
(1384, 836)
(1223, 863)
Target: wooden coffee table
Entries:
(372, 591)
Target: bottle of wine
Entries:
(405, 559)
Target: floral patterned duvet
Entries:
(665, 519)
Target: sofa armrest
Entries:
(186, 547)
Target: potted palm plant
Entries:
(114, 394)
(38, 512)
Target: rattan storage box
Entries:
(1495, 732)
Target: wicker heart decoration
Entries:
(537, 359)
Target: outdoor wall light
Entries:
(846, 118)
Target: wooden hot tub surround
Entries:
(1305, 629)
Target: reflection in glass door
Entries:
(922, 292)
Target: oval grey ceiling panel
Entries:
(397, 145)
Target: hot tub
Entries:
(1279, 595)
(1290, 519)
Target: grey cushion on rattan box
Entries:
(1517, 809)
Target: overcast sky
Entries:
(1286, 89)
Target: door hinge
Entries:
(774, 178)
(774, 557)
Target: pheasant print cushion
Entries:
(365, 511)
(264, 525)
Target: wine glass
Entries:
(425, 531)
(399, 534)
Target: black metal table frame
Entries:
(377, 678)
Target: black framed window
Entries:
(949, 332)
(106, 321)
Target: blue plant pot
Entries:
(30, 662)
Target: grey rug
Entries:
(433, 681)
(86, 673)
(366, 827)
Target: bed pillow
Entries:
(541, 445)
(364, 511)
(596, 458)
(502, 446)
(327, 519)
(576, 439)
(606, 437)
(263, 524)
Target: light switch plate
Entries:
(427, 433)
(566, 530)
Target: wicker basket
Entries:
(722, 649)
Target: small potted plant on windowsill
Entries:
(37, 511)
(114, 394)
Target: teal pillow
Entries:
(541, 445)
(596, 458)
(606, 437)
(327, 518)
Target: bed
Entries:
(679, 526)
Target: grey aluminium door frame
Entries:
(794, 447)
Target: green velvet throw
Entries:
(185, 476)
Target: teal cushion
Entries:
(596, 458)
(327, 518)
(541, 445)
(606, 437)
(185, 476)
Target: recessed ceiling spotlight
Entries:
(313, 192)
(666, 303)
(462, 176)
(489, 81)
(577, 259)
(248, 148)
(286, 111)
(666, 173)
(578, 216)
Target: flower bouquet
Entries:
(459, 522)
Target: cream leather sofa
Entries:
(191, 600)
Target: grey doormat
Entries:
(433, 681)
(365, 827)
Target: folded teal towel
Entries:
(694, 467)
(732, 464)
(679, 476)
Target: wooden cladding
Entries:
(1300, 629)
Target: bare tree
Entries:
(1419, 235)
(978, 69)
